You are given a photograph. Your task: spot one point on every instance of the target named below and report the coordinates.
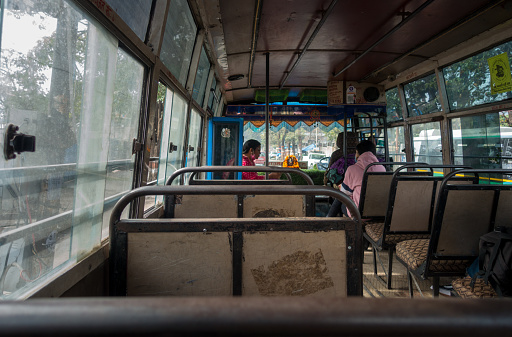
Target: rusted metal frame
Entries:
(157, 23)
(261, 316)
(283, 170)
(310, 205)
(237, 182)
(170, 200)
(254, 42)
(385, 36)
(169, 203)
(240, 205)
(237, 227)
(118, 260)
(238, 246)
(325, 15)
(232, 190)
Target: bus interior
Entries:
(122, 123)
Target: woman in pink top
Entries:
(351, 185)
(250, 152)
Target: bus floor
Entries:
(374, 285)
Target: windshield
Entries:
(316, 156)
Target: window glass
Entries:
(483, 141)
(311, 145)
(211, 97)
(135, 13)
(159, 129)
(422, 96)
(427, 143)
(203, 70)
(468, 82)
(218, 98)
(179, 38)
(194, 139)
(165, 100)
(396, 144)
(177, 136)
(155, 128)
(65, 81)
(173, 136)
(393, 108)
(123, 129)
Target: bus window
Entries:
(422, 96)
(427, 143)
(66, 81)
(483, 141)
(194, 140)
(396, 144)
(393, 108)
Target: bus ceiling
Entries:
(313, 42)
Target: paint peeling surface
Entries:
(179, 264)
(294, 264)
(283, 205)
(207, 206)
(298, 274)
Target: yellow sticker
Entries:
(501, 80)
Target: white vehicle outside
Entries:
(313, 159)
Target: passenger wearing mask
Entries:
(250, 152)
(351, 185)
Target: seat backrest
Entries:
(412, 198)
(270, 256)
(374, 194)
(466, 216)
(243, 206)
(504, 211)
(375, 187)
(410, 204)
(464, 212)
(225, 257)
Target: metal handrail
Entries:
(231, 190)
(429, 166)
(283, 170)
(391, 163)
(475, 172)
(256, 316)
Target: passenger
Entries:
(351, 185)
(250, 152)
(337, 161)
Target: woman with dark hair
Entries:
(337, 161)
(351, 185)
(250, 152)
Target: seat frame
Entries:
(442, 211)
(402, 174)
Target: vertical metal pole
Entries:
(267, 98)
(345, 139)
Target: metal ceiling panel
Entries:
(347, 32)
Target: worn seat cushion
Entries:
(481, 290)
(376, 230)
(413, 252)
